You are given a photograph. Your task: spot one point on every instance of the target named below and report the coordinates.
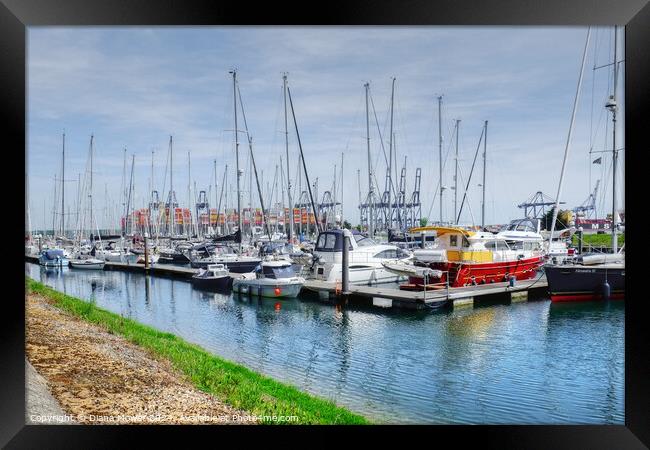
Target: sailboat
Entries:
(597, 276)
(82, 261)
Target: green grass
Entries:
(233, 384)
(598, 239)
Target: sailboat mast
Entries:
(215, 196)
(91, 182)
(128, 201)
(484, 164)
(371, 229)
(234, 93)
(390, 158)
(456, 172)
(286, 145)
(63, 189)
(304, 166)
(341, 191)
(189, 195)
(440, 188)
(613, 108)
(568, 140)
(172, 195)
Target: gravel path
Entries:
(100, 378)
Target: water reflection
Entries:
(531, 362)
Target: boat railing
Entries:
(436, 286)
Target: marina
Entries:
(528, 362)
(293, 252)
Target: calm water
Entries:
(530, 362)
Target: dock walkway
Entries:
(379, 295)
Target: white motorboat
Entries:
(216, 277)
(88, 263)
(365, 258)
(272, 278)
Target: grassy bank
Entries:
(233, 384)
(598, 239)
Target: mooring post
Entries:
(146, 252)
(345, 263)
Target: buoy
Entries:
(606, 290)
(278, 291)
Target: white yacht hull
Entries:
(87, 264)
(263, 287)
(366, 274)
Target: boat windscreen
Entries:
(363, 241)
(279, 272)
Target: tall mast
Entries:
(568, 140)
(371, 229)
(91, 182)
(234, 93)
(456, 172)
(304, 166)
(216, 224)
(189, 195)
(123, 193)
(128, 202)
(484, 164)
(286, 143)
(54, 208)
(440, 188)
(390, 158)
(257, 182)
(63, 189)
(612, 106)
(341, 191)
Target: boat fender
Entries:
(512, 281)
(606, 290)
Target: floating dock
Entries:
(378, 295)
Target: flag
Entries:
(598, 160)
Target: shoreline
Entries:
(104, 368)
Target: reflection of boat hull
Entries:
(464, 274)
(213, 284)
(583, 283)
(267, 287)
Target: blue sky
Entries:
(134, 86)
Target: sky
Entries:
(133, 87)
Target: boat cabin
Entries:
(275, 270)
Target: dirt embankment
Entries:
(100, 378)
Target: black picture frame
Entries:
(16, 15)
